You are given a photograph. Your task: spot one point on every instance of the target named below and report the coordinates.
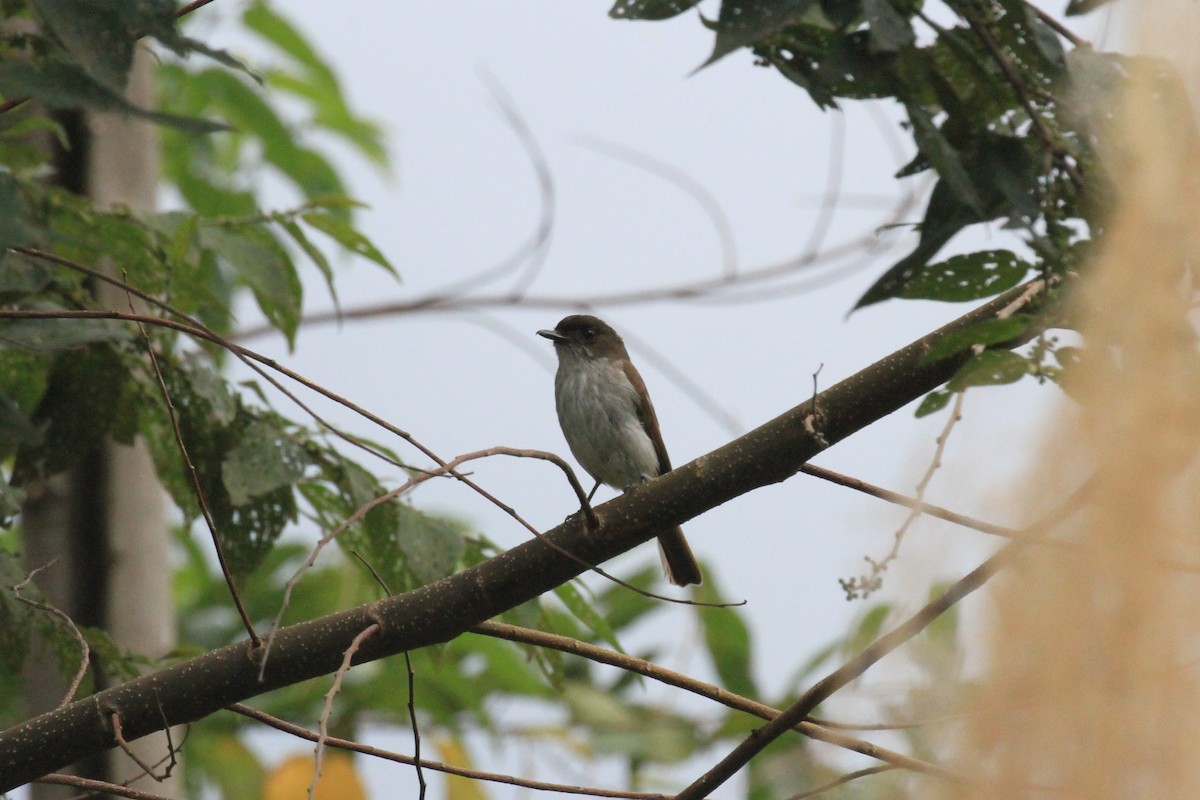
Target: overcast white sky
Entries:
(463, 196)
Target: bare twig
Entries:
(416, 731)
(115, 720)
(197, 488)
(864, 585)
(844, 779)
(532, 251)
(852, 669)
(709, 691)
(833, 185)
(696, 190)
(85, 652)
(327, 708)
(99, 787)
(1058, 27)
(436, 766)
(695, 290)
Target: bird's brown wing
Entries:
(645, 412)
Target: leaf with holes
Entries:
(990, 368)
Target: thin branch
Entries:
(692, 187)
(436, 766)
(833, 185)
(85, 652)
(114, 720)
(416, 731)
(863, 586)
(695, 290)
(1059, 28)
(327, 708)
(197, 487)
(844, 779)
(843, 675)
(535, 248)
(100, 787)
(641, 666)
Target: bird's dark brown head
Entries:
(587, 336)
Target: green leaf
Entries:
(972, 276)
(583, 611)
(71, 428)
(942, 155)
(431, 545)
(13, 213)
(95, 34)
(347, 237)
(744, 22)
(991, 367)
(888, 30)
(23, 378)
(1068, 357)
(314, 254)
(933, 402)
(1077, 7)
(867, 631)
(48, 335)
(11, 500)
(316, 82)
(69, 86)
(728, 640)
(988, 332)
(649, 9)
(15, 429)
(266, 459)
(262, 264)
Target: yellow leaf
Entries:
(339, 780)
(452, 752)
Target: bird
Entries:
(609, 423)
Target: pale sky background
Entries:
(463, 197)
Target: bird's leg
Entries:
(592, 493)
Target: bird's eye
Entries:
(589, 334)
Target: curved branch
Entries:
(442, 610)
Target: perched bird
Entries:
(609, 423)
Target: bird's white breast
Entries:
(597, 408)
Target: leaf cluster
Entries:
(1005, 109)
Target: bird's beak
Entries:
(553, 336)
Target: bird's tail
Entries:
(677, 559)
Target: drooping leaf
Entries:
(586, 613)
(15, 428)
(728, 641)
(971, 276)
(944, 157)
(13, 228)
(933, 402)
(316, 82)
(991, 367)
(61, 85)
(95, 34)
(431, 545)
(347, 237)
(264, 460)
(889, 31)
(263, 265)
(987, 332)
(85, 395)
(744, 22)
(650, 9)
